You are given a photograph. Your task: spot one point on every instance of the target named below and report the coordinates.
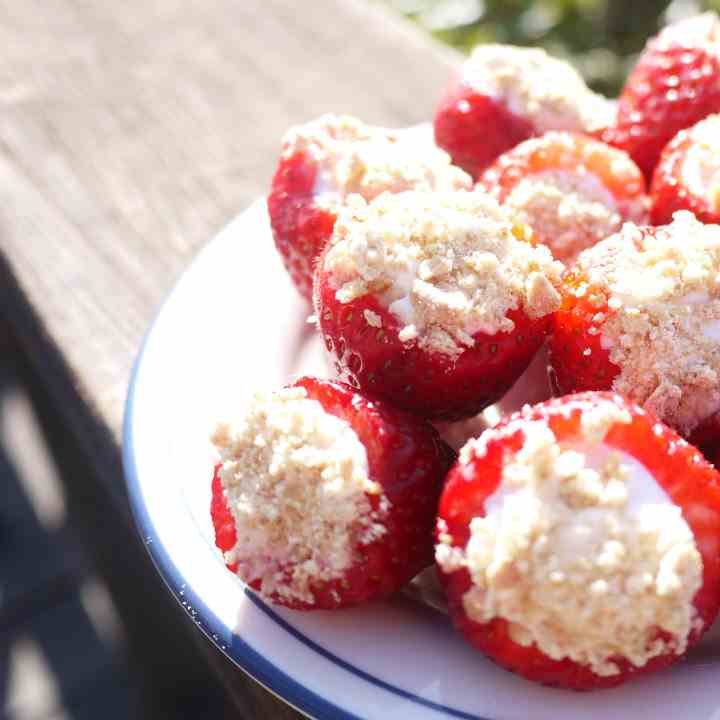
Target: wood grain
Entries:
(132, 132)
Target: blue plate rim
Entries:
(241, 654)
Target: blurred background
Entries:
(65, 637)
(600, 37)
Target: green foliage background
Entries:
(600, 37)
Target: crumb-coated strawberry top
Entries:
(657, 296)
(297, 485)
(574, 211)
(571, 189)
(688, 174)
(447, 265)
(356, 158)
(577, 547)
(701, 166)
(547, 91)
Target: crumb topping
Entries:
(356, 158)
(701, 167)
(662, 328)
(581, 552)
(572, 211)
(372, 318)
(446, 265)
(296, 481)
(547, 91)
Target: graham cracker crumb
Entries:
(447, 265)
(547, 91)
(580, 551)
(296, 481)
(372, 318)
(664, 305)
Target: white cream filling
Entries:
(642, 489)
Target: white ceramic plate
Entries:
(232, 325)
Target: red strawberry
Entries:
(222, 519)
(503, 95)
(675, 83)
(640, 315)
(301, 227)
(630, 497)
(688, 174)
(577, 356)
(324, 161)
(475, 128)
(573, 191)
(446, 313)
(324, 529)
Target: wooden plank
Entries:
(131, 133)
(126, 146)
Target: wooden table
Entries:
(130, 133)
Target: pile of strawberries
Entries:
(563, 189)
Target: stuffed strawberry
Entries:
(503, 95)
(577, 542)
(434, 302)
(323, 499)
(688, 174)
(675, 83)
(572, 191)
(640, 315)
(327, 159)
